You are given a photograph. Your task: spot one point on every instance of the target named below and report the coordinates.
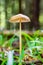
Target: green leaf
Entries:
(1, 40)
(27, 36)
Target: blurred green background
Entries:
(31, 8)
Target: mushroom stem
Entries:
(20, 44)
(20, 39)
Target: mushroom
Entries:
(20, 18)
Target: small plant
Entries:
(32, 48)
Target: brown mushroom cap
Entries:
(19, 18)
